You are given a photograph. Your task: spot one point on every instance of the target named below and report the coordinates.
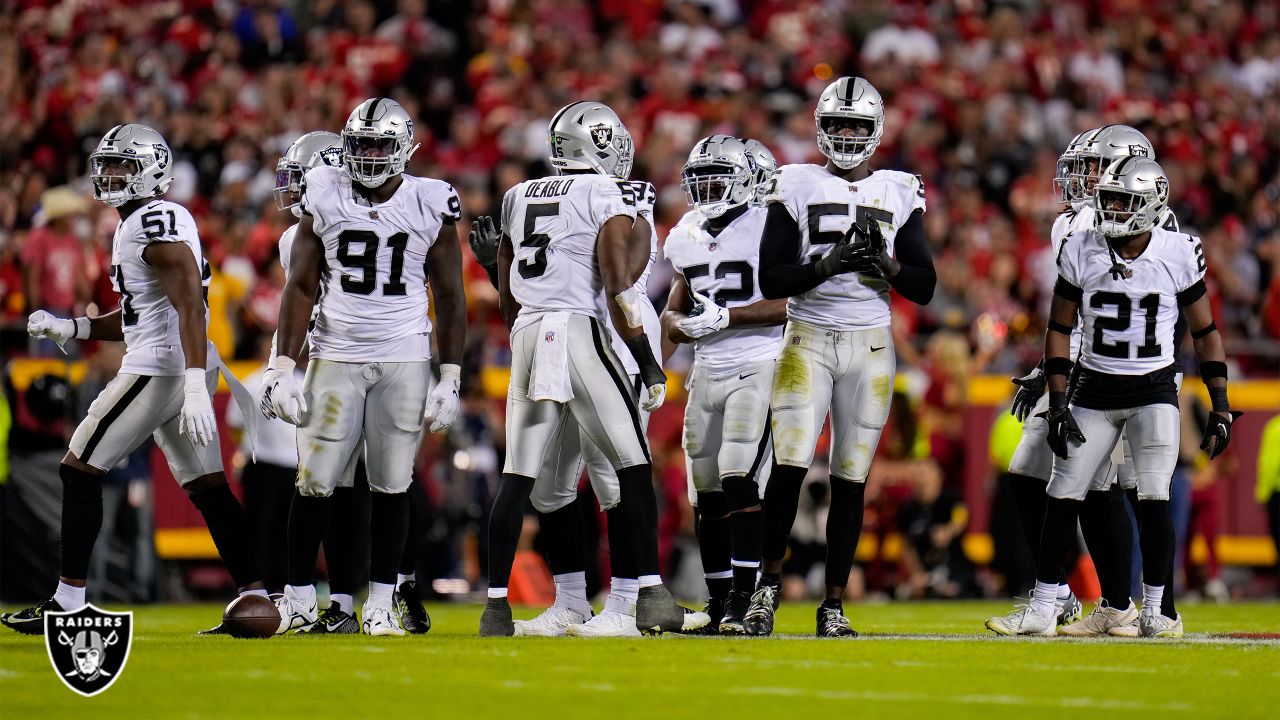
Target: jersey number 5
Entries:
(530, 237)
(366, 261)
(1124, 316)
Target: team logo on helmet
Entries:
(1139, 151)
(162, 156)
(331, 156)
(88, 647)
(602, 136)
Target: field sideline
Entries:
(931, 660)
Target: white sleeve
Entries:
(1067, 260)
(1190, 269)
(910, 197)
(609, 199)
(783, 189)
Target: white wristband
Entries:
(193, 378)
(81, 331)
(283, 364)
(450, 372)
(629, 301)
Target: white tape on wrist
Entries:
(629, 301)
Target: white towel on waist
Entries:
(550, 376)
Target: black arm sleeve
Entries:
(917, 278)
(781, 276)
(492, 271)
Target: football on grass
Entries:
(251, 616)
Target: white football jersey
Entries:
(373, 299)
(153, 345)
(726, 268)
(824, 207)
(1128, 322)
(1080, 220)
(553, 223)
(646, 196)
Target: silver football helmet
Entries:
(718, 175)
(1064, 178)
(131, 162)
(845, 105)
(766, 166)
(315, 148)
(588, 135)
(1130, 197)
(377, 141)
(1103, 146)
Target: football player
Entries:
(836, 239)
(167, 376)
(556, 489)
(1127, 279)
(715, 303)
(572, 253)
(369, 237)
(1104, 518)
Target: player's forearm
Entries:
(492, 272)
(193, 334)
(780, 275)
(764, 312)
(670, 330)
(913, 275)
(107, 327)
(620, 322)
(451, 321)
(295, 315)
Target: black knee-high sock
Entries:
(308, 520)
(339, 542)
(844, 527)
(714, 543)
(562, 529)
(633, 527)
(746, 523)
(388, 528)
(781, 498)
(81, 519)
(635, 486)
(413, 537)
(1156, 538)
(1104, 520)
(1030, 497)
(1057, 539)
(505, 521)
(229, 527)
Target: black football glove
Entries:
(1062, 426)
(1030, 388)
(484, 240)
(838, 261)
(1217, 432)
(870, 249)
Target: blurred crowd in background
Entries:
(981, 97)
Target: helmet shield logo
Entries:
(162, 156)
(88, 647)
(1138, 151)
(602, 136)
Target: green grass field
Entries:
(915, 660)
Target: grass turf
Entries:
(915, 660)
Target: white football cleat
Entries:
(553, 622)
(1154, 625)
(609, 623)
(297, 612)
(380, 620)
(1024, 621)
(1101, 621)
